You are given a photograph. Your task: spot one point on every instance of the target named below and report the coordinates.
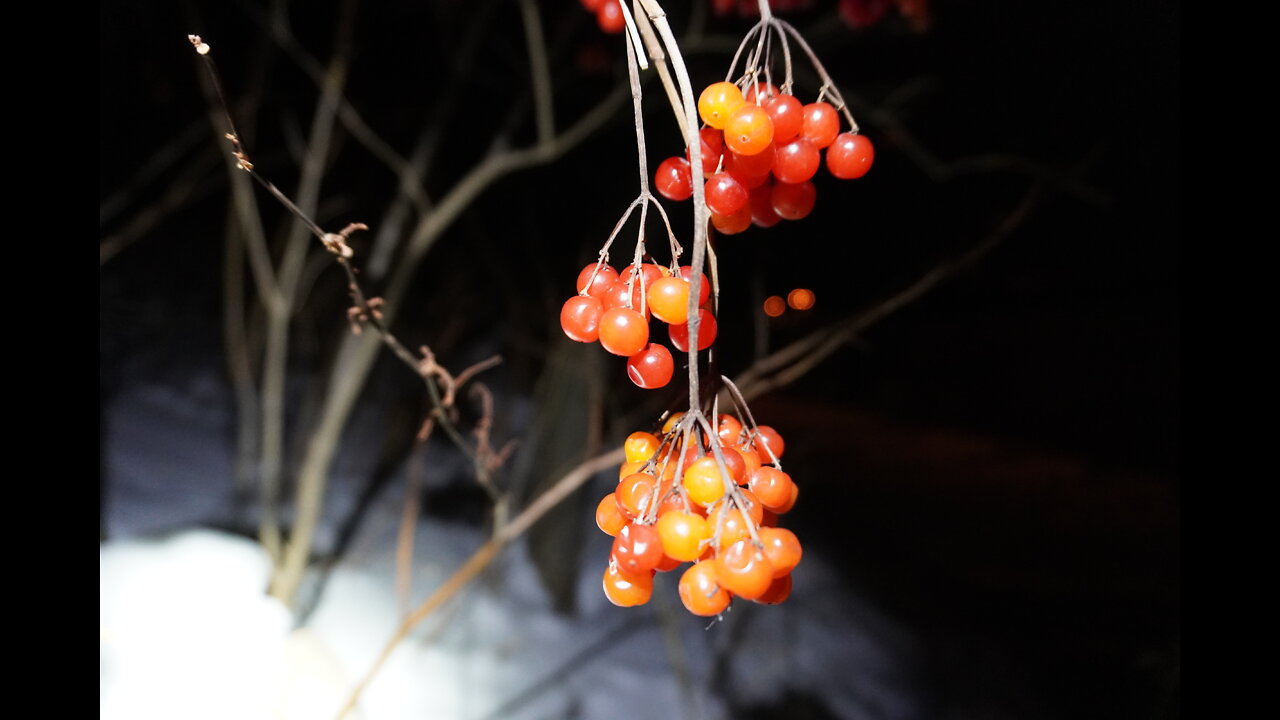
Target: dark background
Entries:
(997, 466)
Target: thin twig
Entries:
(540, 75)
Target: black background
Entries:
(998, 464)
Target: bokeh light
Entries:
(774, 306)
(800, 299)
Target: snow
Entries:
(187, 629)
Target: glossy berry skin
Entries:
(821, 124)
(640, 446)
(850, 156)
(669, 299)
(725, 195)
(711, 141)
(769, 442)
(759, 93)
(787, 115)
(609, 17)
(704, 285)
(750, 170)
(782, 547)
(652, 367)
(749, 130)
(796, 161)
(700, 593)
(674, 179)
(779, 590)
(718, 102)
(682, 533)
(580, 318)
(793, 201)
(703, 482)
(634, 493)
(604, 277)
(732, 224)
(627, 589)
(771, 485)
(637, 548)
(761, 203)
(728, 428)
(743, 569)
(609, 518)
(623, 332)
(679, 334)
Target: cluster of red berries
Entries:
(615, 309)
(608, 14)
(760, 152)
(728, 530)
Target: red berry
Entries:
(580, 318)
(704, 285)
(794, 201)
(761, 202)
(674, 179)
(821, 124)
(623, 332)
(712, 144)
(706, 332)
(609, 17)
(732, 224)
(637, 548)
(850, 156)
(759, 93)
(796, 161)
(787, 115)
(600, 286)
(652, 367)
(725, 195)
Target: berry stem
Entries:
(659, 18)
(828, 85)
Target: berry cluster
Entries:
(760, 151)
(721, 516)
(616, 309)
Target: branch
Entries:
(481, 558)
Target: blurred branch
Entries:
(411, 179)
(164, 158)
(190, 184)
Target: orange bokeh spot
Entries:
(774, 306)
(800, 299)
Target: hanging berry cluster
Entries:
(615, 309)
(728, 530)
(761, 148)
(709, 495)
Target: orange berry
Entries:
(700, 592)
(609, 517)
(682, 534)
(629, 467)
(627, 589)
(703, 482)
(635, 493)
(782, 547)
(771, 485)
(718, 102)
(640, 446)
(744, 570)
(779, 590)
